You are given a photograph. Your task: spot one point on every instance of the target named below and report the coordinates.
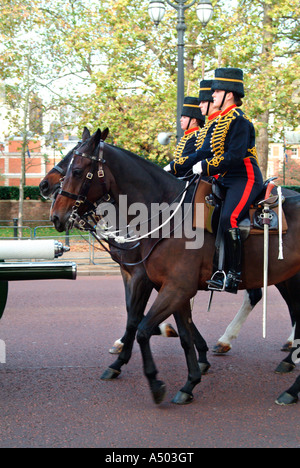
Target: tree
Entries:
(131, 66)
(22, 67)
(264, 40)
(109, 66)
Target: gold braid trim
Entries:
(218, 139)
(203, 133)
(254, 154)
(180, 148)
(181, 161)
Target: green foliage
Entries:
(105, 64)
(12, 193)
(9, 193)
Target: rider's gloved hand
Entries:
(197, 168)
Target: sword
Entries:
(266, 223)
(280, 254)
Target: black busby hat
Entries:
(205, 93)
(191, 108)
(229, 79)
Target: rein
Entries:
(93, 232)
(98, 161)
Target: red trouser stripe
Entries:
(246, 194)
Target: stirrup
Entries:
(215, 285)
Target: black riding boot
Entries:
(233, 243)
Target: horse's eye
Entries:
(77, 173)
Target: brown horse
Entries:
(177, 272)
(138, 287)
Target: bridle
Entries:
(89, 219)
(81, 198)
(58, 168)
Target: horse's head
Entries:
(51, 182)
(84, 184)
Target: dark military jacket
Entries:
(232, 141)
(181, 165)
(185, 147)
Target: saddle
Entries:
(212, 195)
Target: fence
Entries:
(84, 249)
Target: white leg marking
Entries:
(235, 326)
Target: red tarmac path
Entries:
(57, 335)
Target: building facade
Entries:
(284, 160)
(40, 159)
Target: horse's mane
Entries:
(140, 159)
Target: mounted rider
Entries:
(207, 108)
(191, 121)
(207, 102)
(228, 150)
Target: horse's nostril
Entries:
(44, 186)
(55, 221)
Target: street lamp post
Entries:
(204, 12)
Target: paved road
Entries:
(57, 334)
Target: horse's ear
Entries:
(85, 134)
(97, 137)
(105, 134)
(93, 142)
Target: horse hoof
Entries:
(117, 347)
(158, 390)
(110, 374)
(284, 368)
(204, 367)
(168, 330)
(287, 346)
(286, 399)
(182, 398)
(221, 348)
